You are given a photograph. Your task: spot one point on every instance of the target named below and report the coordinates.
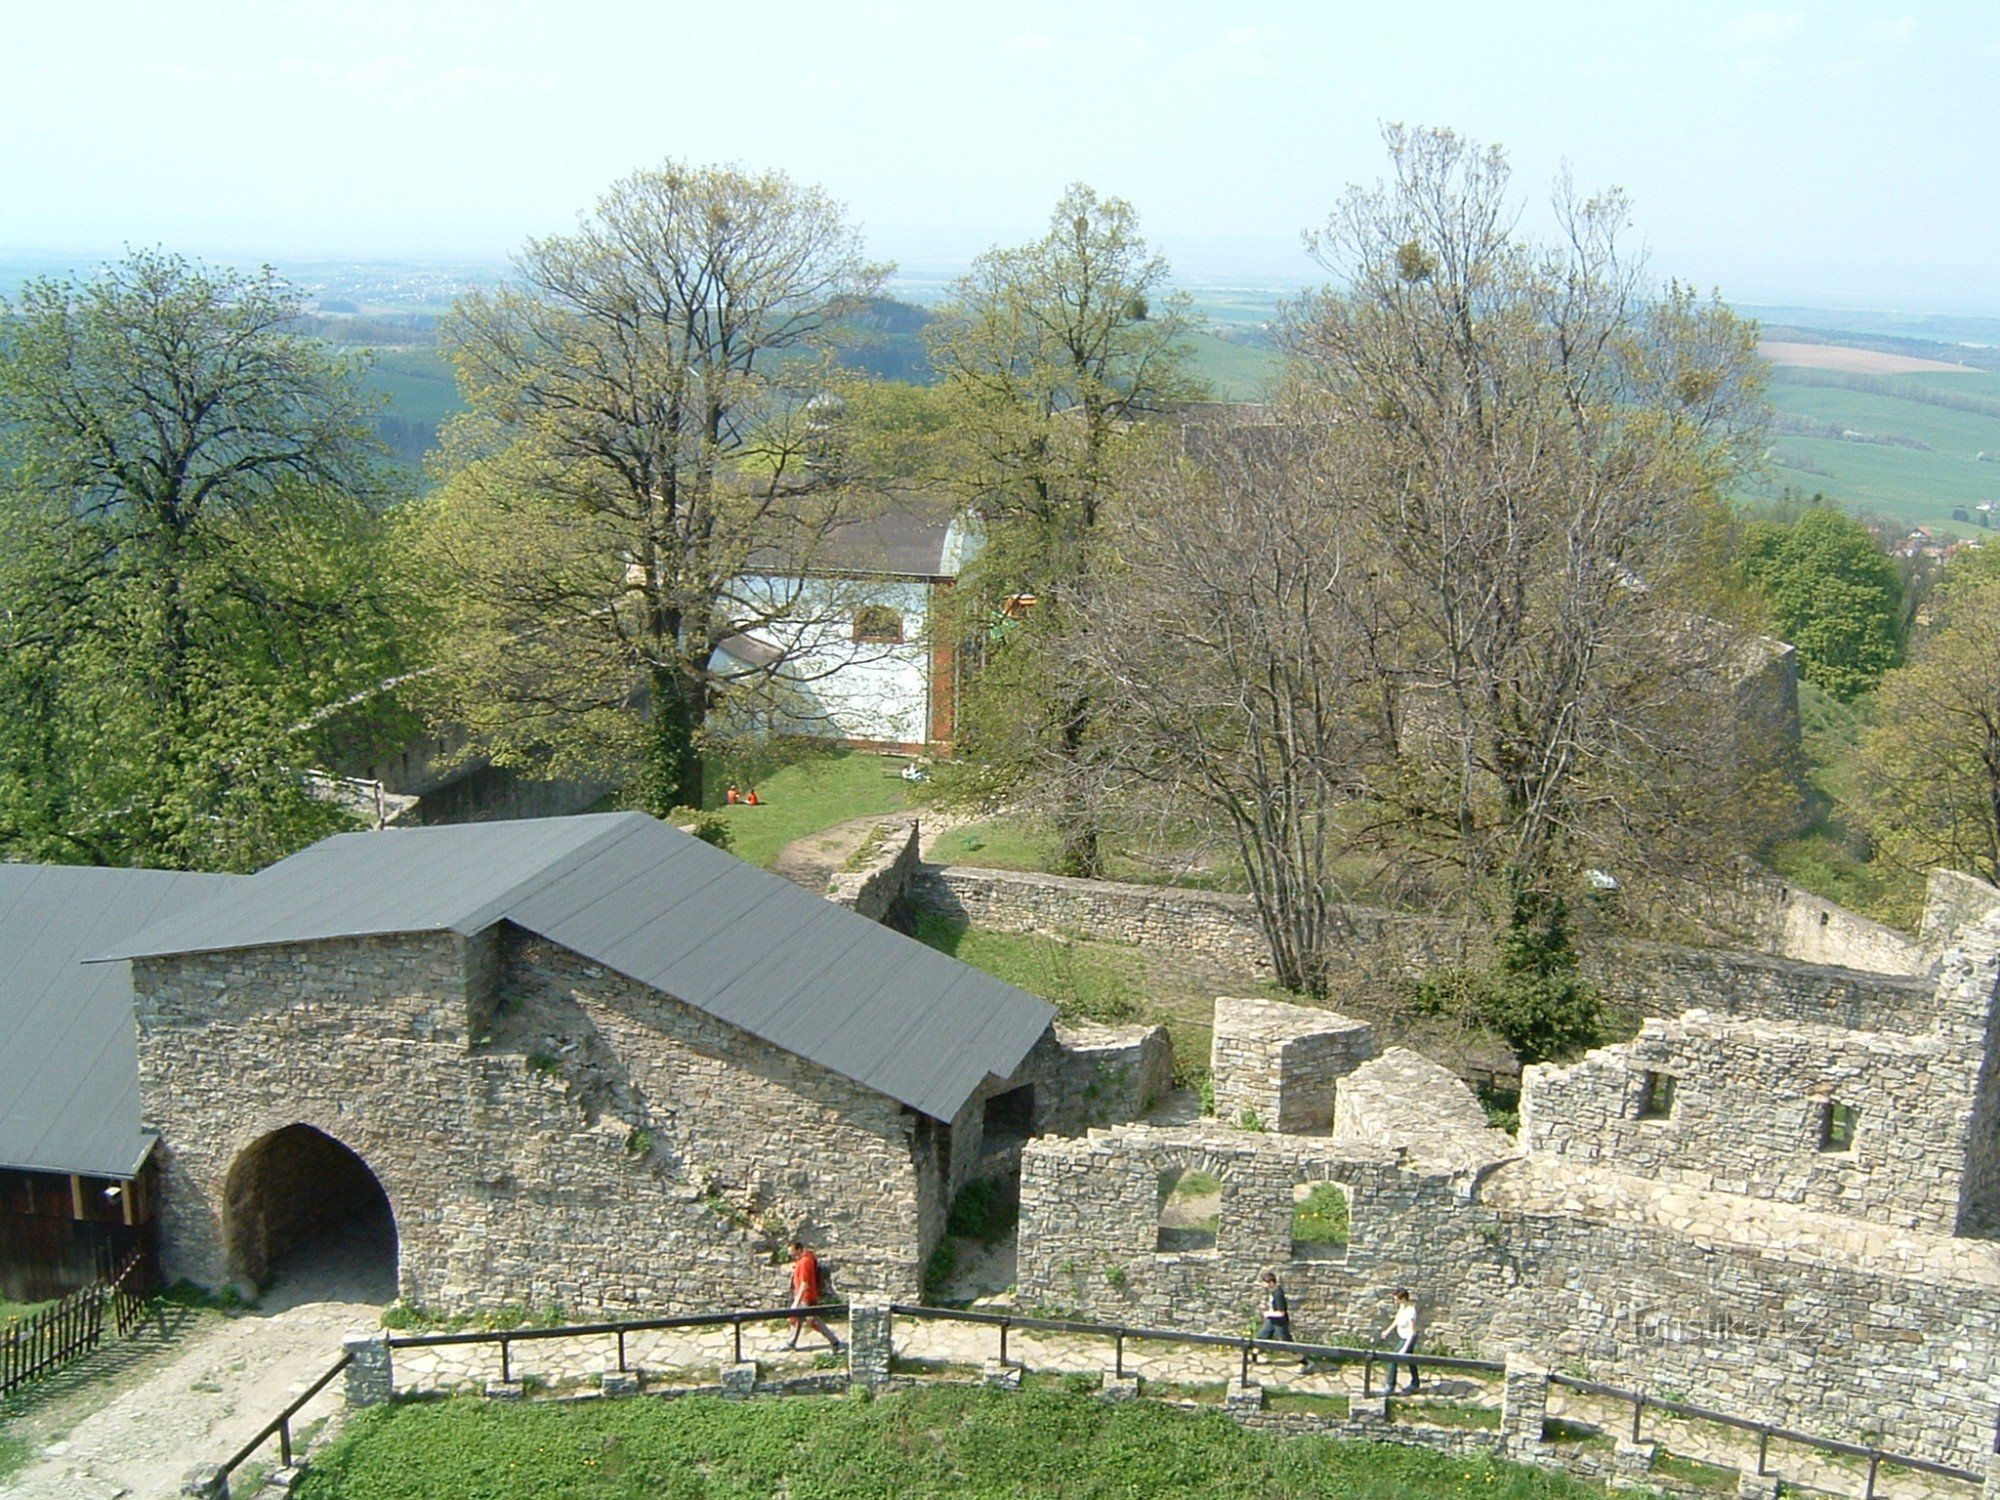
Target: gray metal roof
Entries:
(662, 908)
(69, 1064)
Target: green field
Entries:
(418, 382)
(1909, 486)
(933, 1442)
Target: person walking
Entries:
(1404, 1328)
(806, 1287)
(1277, 1324)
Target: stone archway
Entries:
(299, 1205)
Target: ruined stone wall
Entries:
(1780, 1321)
(878, 884)
(1090, 1075)
(1090, 1222)
(1768, 1331)
(1279, 1064)
(1746, 1115)
(599, 1145)
(1662, 979)
(1954, 902)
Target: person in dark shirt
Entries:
(1277, 1325)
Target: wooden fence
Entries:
(47, 1340)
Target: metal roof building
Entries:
(664, 910)
(69, 1069)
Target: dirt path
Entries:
(815, 859)
(223, 1383)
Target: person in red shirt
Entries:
(750, 797)
(806, 1289)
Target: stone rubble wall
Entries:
(601, 1147)
(1090, 1222)
(1280, 1064)
(1652, 978)
(1092, 1075)
(1745, 1115)
(878, 884)
(1770, 1326)
(1760, 909)
(1953, 902)
(1404, 1100)
(1664, 979)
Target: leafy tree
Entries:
(1526, 446)
(195, 571)
(1832, 594)
(1050, 352)
(1930, 766)
(640, 425)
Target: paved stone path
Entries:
(227, 1381)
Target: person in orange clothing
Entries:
(750, 798)
(806, 1288)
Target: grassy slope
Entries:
(807, 796)
(935, 1442)
(1831, 856)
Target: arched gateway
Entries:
(298, 1201)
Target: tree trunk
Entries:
(670, 773)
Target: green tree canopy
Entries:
(1832, 594)
(641, 423)
(1050, 354)
(197, 573)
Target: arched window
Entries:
(878, 625)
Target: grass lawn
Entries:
(1084, 981)
(12, 1310)
(937, 1442)
(806, 796)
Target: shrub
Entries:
(709, 827)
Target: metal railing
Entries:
(1767, 1432)
(506, 1338)
(1120, 1334)
(281, 1424)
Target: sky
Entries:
(1826, 154)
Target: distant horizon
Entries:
(911, 274)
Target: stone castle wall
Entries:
(1280, 1064)
(599, 1145)
(1761, 1320)
(1663, 979)
(1090, 1213)
(1747, 1110)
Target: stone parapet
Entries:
(1278, 1065)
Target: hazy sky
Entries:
(1836, 153)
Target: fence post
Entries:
(869, 1345)
(1524, 1406)
(371, 1372)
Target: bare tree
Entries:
(1531, 446)
(1228, 640)
(630, 491)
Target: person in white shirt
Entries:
(1404, 1327)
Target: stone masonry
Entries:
(1754, 1205)
(546, 1131)
(1279, 1065)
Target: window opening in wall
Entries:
(878, 624)
(1010, 1117)
(1836, 1126)
(1319, 1221)
(1190, 1209)
(1656, 1096)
